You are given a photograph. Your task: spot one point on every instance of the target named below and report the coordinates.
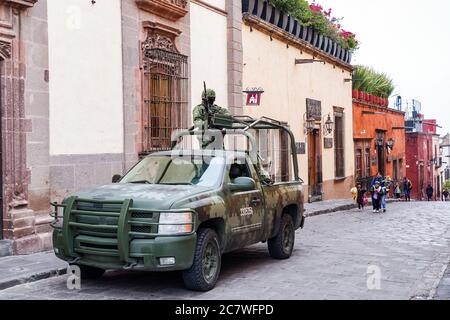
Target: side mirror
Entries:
(242, 184)
(116, 178)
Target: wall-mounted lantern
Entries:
(329, 125)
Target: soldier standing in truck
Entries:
(200, 118)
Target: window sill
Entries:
(338, 179)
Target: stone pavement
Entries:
(443, 290)
(344, 255)
(22, 269)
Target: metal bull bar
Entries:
(119, 234)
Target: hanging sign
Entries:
(254, 96)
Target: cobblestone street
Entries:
(409, 244)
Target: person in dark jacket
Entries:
(377, 194)
(407, 187)
(361, 197)
(430, 192)
(445, 194)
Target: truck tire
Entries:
(90, 273)
(282, 245)
(205, 270)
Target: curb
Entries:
(332, 210)
(341, 208)
(32, 278)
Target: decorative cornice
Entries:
(169, 9)
(289, 39)
(5, 50)
(160, 36)
(20, 4)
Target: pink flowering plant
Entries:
(321, 19)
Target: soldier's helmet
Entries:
(210, 93)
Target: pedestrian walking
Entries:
(430, 192)
(397, 191)
(361, 197)
(407, 187)
(377, 193)
(386, 189)
(445, 194)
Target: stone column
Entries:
(235, 56)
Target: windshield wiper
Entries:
(177, 183)
(141, 182)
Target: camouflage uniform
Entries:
(200, 116)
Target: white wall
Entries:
(85, 59)
(209, 52)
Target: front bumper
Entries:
(114, 235)
(144, 254)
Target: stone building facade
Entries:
(379, 139)
(24, 126)
(306, 85)
(89, 87)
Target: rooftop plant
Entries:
(368, 80)
(314, 15)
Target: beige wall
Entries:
(209, 52)
(270, 65)
(85, 61)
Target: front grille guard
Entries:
(124, 235)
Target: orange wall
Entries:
(366, 125)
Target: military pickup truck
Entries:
(181, 210)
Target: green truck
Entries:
(180, 210)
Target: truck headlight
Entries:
(59, 218)
(175, 223)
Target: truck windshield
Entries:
(166, 170)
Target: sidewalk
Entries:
(17, 270)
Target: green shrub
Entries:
(368, 80)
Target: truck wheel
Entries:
(90, 273)
(203, 274)
(282, 245)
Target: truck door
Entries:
(246, 214)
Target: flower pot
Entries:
(315, 37)
(309, 35)
(386, 102)
(295, 27)
(304, 33)
(245, 6)
(298, 30)
(338, 51)
(344, 55)
(362, 96)
(319, 41)
(281, 20)
(326, 44)
(260, 8)
(291, 25)
(276, 16)
(349, 57)
(333, 48)
(355, 94)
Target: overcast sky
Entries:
(409, 40)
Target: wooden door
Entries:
(315, 164)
